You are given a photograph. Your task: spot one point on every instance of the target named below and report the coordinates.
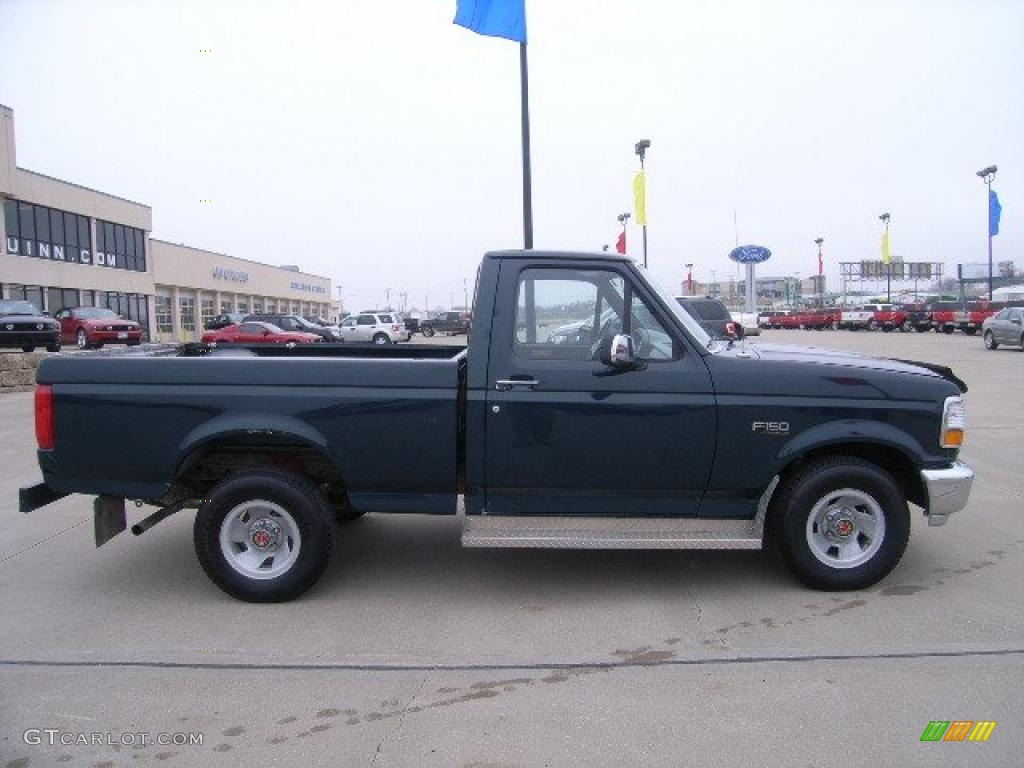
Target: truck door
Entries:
(566, 434)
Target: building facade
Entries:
(64, 245)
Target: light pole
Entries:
(988, 175)
(821, 272)
(465, 295)
(887, 258)
(641, 148)
(689, 278)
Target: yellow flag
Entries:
(640, 198)
(886, 255)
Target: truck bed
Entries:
(387, 419)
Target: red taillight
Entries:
(44, 417)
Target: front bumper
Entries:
(25, 338)
(947, 491)
(114, 337)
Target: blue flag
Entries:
(995, 210)
(497, 18)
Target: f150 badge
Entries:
(771, 427)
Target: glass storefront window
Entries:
(187, 309)
(164, 318)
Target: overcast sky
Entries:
(377, 144)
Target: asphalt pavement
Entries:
(414, 652)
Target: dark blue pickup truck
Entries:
(637, 430)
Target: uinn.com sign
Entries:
(41, 250)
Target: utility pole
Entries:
(465, 295)
(887, 257)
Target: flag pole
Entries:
(527, 180)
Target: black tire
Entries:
(133, 343)
(922, 328)
(381, 338)
(53, 347)
(970, 331)
(990, 341)
(948, 329)
(427, 331)
(28, 348)
(808, 488)
(887, 329)
(294, 494)
(872, 325)
(82, 339)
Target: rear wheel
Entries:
(381, 338)
(948, 329)
(990, 340)
(840, 523)
(82, 339)
(55, 347)
(872, 325)
(264, 535)
(28, 348)
(428, 331)
(970, 331)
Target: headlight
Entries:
(953, 423)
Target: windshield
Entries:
(17, 308)
(667, 298)
(95, 313)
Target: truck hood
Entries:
(823, 356)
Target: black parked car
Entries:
(712, 315)
(295, 323)
(22, 325)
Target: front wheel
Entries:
(82, 339)
(428, 331)
(264, 535)
(990, 341)
(840, 523)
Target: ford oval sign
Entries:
(750, 254)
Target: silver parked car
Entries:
(1004, 327)
(378, 327)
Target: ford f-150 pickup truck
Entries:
(641, 432)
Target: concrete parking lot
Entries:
(414, 652)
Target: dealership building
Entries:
(65, 245)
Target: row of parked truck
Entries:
(940, 316)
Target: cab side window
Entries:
(565, 314)
(367, 320)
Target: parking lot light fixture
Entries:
(988, 175)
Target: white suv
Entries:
(378, 327)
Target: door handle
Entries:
(506, 384)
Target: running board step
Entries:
(610, 533)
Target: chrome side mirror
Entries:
(619, 353)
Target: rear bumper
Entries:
(947, 491)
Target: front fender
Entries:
(847, 431)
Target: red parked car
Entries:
(95, 326)
(253, 332)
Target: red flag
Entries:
(620, 244)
